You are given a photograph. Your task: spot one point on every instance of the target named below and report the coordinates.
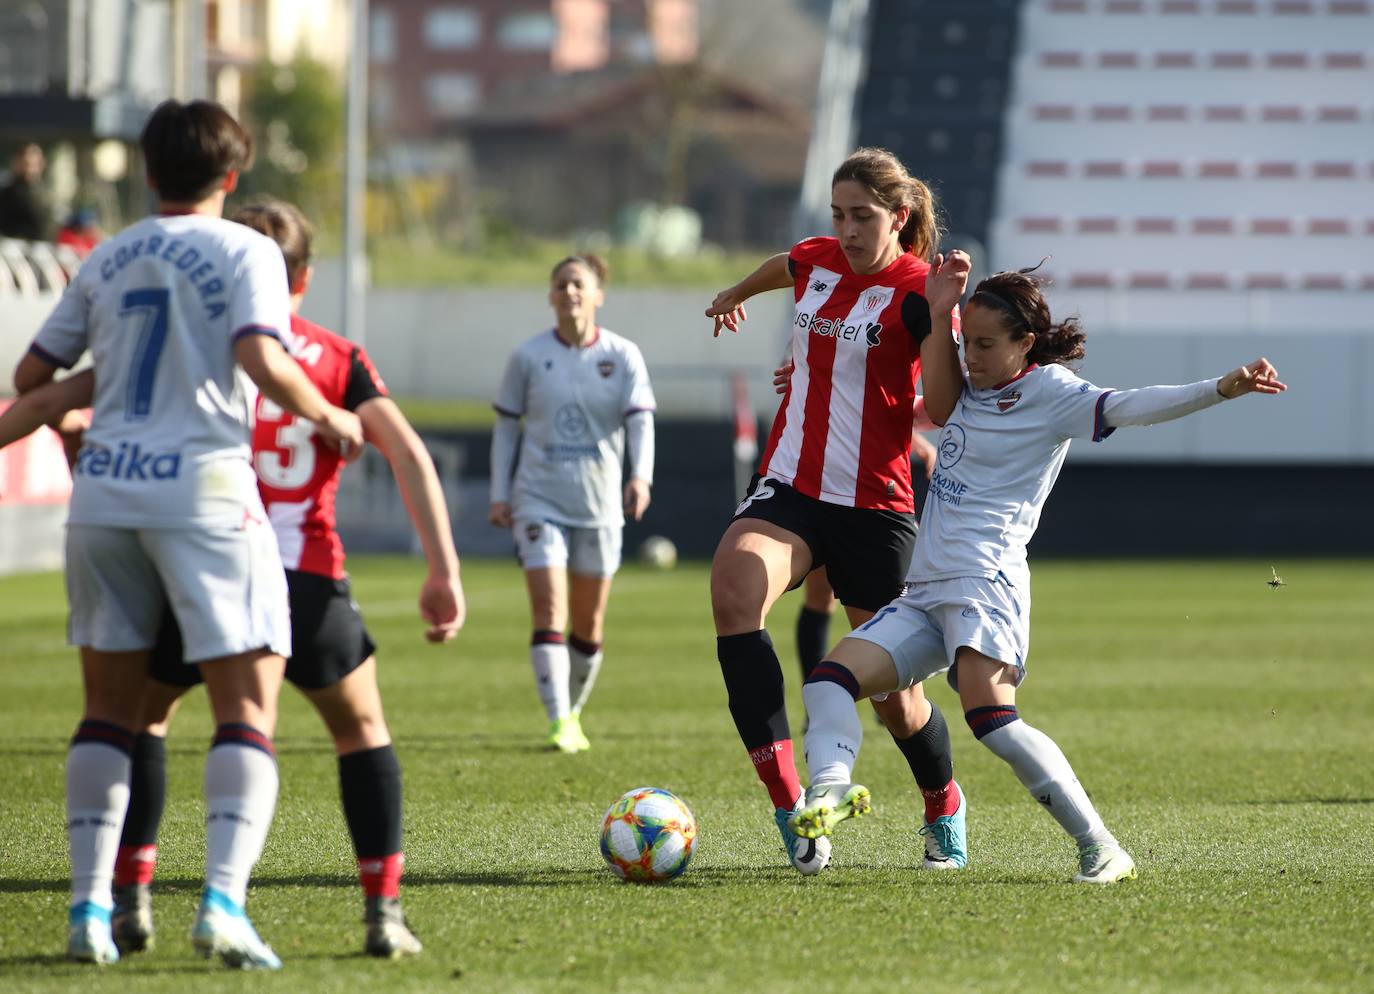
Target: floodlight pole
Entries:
(354, 325)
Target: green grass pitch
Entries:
(1222, 727)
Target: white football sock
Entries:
(97, 797)
(1045, 771)
(240, 796)
(582, 672)
(551, 665)
(834, 735)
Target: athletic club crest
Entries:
(873, 301)
(605, 367)
(532, 532)
(1008, 400)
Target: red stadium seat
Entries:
(1333, 170)
(1266, 281)
(1053, 112)
(1328, 226)
(1218, 170)
(1208, 281)
(1039, 225)
(1237, 7)
(1149, 281)
(1061, 60)
(1155, 226)
(1344, 60)
(1111, 112)
(1271, 226)
(1103, 169)
(1213, 226)
(1287, 60)
(1091, 281)
(1338, 113)
(1293, 8)
(1323, 281)
(1282, 112)
(1224, 112)
(1099, 225)
(1161, 169)
(1180, 7)
(1118, 60)
(1167, 112)
(1230, 60)
(1046, 167)
(1277, 170)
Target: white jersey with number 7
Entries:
(161, 306)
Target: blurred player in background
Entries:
(966, 610)
(176, 309)
(585, 398)
(834, 486)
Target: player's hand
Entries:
(946, 281)
(923, 451)
(728, 310)
(782, 375)
(443, 606)
(341, 431)
(499, 514)
(1259, 376)
(636, 498)
(71, 428)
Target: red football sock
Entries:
(135, 865)
(942, 802)
(776, 768)
(381, 876)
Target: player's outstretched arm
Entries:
(728, 307)
(942, 381)
(45, 405)
(442, 603)
(283, 382)
(1153, 405)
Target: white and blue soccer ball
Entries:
(648, 836)
(658, 552)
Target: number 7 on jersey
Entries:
(152, 336)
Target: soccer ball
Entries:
(658, 552)
(648, 835)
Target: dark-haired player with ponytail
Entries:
(834, 485)
(584, 396)
(1007, 427)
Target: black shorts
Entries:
(865, 552)
(328, 638)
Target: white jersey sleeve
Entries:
(639, 391)
(510, 396)
(1073, 406)
(261, 295)
(63, 337)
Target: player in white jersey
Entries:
(1007, 428)
(584, 395)
(183, 313)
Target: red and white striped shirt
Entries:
(843, 432)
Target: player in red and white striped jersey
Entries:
(834, 486)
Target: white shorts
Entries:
(924, 628)
(226, 587)
(584, 551)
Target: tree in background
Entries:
(296, 112)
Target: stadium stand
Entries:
(1216, 150)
